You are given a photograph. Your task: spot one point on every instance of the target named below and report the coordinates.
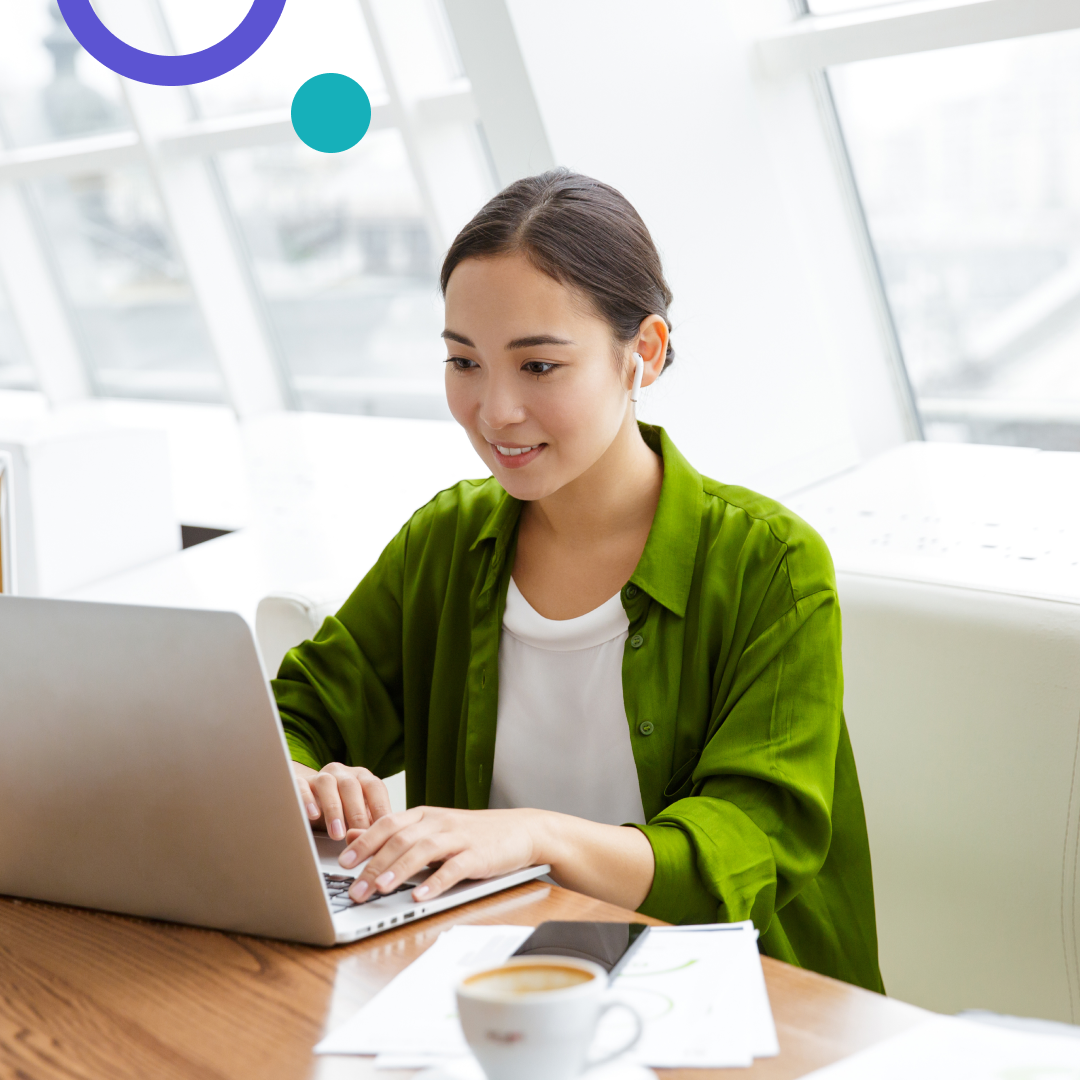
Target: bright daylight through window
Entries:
(127, 291)
(968, 163)
(334, 256)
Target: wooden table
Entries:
(88, 996)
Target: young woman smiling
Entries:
(596, 658)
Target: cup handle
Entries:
(592, 1063)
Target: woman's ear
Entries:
(651, 344)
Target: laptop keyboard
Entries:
(337, 886)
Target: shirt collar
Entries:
(666, 568)
(500, 523)
(500, 526)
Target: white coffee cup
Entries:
(534, 1017)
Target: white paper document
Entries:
(699, 990)
(701, 993)
(416, 1014)
(946, 1048)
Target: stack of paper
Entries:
(949, 1049)
(699, 990)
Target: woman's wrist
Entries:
(609, 862)
(547, 838)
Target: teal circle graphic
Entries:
(331, 113)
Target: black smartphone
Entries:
(609, 944)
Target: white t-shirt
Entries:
(562, 741)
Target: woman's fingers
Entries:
(311, 804)
(368, 841)
(353, 804)
(446, 877)
(378, 876)
(302, 774)
(362, 796)
(403, 846)
(461, 843)
(375, 794)
(325, 787)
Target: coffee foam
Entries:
(515, 980)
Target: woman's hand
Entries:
(340, 798)
(610, 862)
(467, 844)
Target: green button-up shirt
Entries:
(732, 686)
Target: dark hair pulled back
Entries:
(580, 232)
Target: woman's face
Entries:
(531, 374)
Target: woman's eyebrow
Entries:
(461, 339)
(537, 339)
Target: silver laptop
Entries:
(143, 770)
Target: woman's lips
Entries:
(517, 460)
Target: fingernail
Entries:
(421, 892)
(347, 857)
(312, 811)
(383, 880)
(337, 830)
(359, 890)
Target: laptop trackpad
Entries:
(329, 850)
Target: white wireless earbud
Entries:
(639, 370)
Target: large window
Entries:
(968, 163)
(127, 290)
(960, 134)
(195, 247)
(346, 264)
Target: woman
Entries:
(596, 658)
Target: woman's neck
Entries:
(578, 547)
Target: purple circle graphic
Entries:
(160, 70)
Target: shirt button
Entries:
(631, 592)
(646, 727)
(637, 641)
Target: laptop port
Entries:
(408, 915)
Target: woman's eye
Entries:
(461, 363)
(539, 367)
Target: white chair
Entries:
(964, 712)
(286, 618)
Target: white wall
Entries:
(781, 375)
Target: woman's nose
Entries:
(500, 406)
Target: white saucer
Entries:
(469, 1069)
